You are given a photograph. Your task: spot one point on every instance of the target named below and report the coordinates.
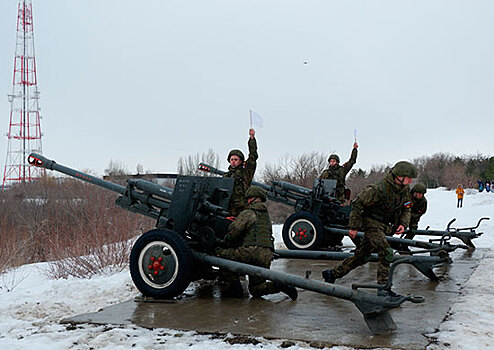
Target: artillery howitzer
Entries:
(320, 221)
(190, 219)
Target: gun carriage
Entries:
(190, 221)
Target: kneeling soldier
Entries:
(251, 239)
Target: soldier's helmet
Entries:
(255, 191)
(420, 188)
(334, 156)
(236, 152)
(404, 168)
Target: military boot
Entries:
(287, 289)
(389, 293)
(328, 276)
(235, 290)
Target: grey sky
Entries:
(150, 81)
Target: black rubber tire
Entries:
(313, 236)
(172, 274)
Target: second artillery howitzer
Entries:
(314, 209)
(320, 221)
(190, 221)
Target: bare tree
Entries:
(115, 167)
(301, 170)
(189, 164)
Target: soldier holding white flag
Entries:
(242, 171)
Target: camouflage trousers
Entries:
(374, 242)
(257, 256)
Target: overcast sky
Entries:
(151, 81)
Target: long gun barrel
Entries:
(281, 191)
(135, 197)
(42, 162)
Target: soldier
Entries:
(376, 210)
(242, 171)
(251, 239)
(338, 172)
(419, 207)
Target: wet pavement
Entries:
(312, 317)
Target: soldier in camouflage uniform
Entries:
(251, 240)
(376, 210)
(242, 171)
(338, 172)
(419, 207)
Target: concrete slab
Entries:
(313, 317)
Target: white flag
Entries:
(256, 119)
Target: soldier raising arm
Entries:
(243, 172)
(338, 172)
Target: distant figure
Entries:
(481, 185)
(487, 186)
(338, 172)
(459, 193)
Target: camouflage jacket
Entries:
(252, 227)
(339, 173)
(243, 175)
(419, 207)
(383, 202)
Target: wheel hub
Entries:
(156, 265)
(301, 234)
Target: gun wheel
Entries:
(302, 231)
(161, 264)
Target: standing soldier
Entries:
(378, 208)
(242, 171)
(251, 239)
(338, 172)
(419, 207)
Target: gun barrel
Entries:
(263, 186)
(153, 188)
(294, 188)
(210, 169)
(43, 162)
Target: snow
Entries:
(31, 305)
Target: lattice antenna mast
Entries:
(24, 135)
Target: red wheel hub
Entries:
(301, 234)
(156, 265)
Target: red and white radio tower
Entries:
(24, 133)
